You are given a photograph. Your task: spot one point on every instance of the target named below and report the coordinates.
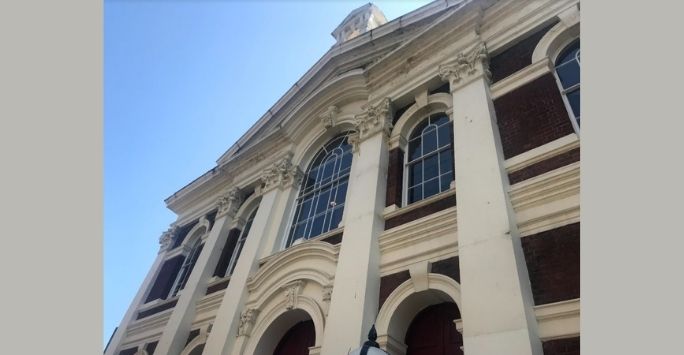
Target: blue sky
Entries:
(183, 81)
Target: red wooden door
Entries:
(297, 340)
(433, 332)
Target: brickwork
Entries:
(217, 287)
(155, 310)
(568, 346)
(531, 115)
(389, 283)
(439, 205)
(516, 57)
(333, 239)
(553, 263)
(447, 267)
(545, 166)
(395, 176)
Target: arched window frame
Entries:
(193, 244)
(571, 88)
(240, 242)
(323, 154)
(408, 162)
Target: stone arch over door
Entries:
(405, 303)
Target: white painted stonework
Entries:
(376, 68)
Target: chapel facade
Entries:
(421, 178)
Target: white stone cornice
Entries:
(229, 203)
(375, 119)
(329, 116)
(281, 174)
(470, 63)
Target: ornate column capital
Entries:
(281, 174)
(229, 203)
(468, 64)
(247, 318)
(329, 116)
(375, 119)
(166, 239)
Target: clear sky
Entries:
(183, 81)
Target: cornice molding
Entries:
(468, 64)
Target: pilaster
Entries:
(177, 328)
(165, 243)
(354, 297)
(233, 323)
(497, 312)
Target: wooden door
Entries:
(433, 332)
(297, 340)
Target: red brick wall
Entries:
(517, 56)
(395, 176)
(568, 346)
(545, 166)
(155, 310)
(217, 287)
(531, 115)
(333, 239)
(389, 283)
(553, 263)
(447, 267)
(439, 205)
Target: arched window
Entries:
(321, 199)
(240, 243)
(430, 158)
(568, 74)
(187, 267)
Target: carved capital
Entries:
(375, 119)
(292, 292)
(329, 116)
(247, 318)
(281, 174)
(229, 203)
(166, 239)
(327, 293)
(470, 63)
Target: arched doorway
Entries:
(432, 331)
(297, 340)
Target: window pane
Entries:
(444, 182)
(415, 193)
(298, 231)
(429, 141)
(336, 218)
(569, 54)
(346, 161)
(569, 74)
(444, 135)
(415, 174)
(430, 187)
(323, 200)
(317, 226)
(304, 212)
(341, 193)
(414, 149)
(574, 99)
(430, 168)
(446, 161)
(439, 119)
(327, 170)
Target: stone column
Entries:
(177, 328)
(278, 181)
(165, 243)
(354, 299)
(496, 297)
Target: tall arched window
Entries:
(187, 267)
(240, 243)
(430, 159)
(568, 73)
(321, 199)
